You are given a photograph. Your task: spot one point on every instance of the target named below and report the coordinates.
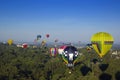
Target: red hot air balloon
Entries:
(25, 45)
(47, 35)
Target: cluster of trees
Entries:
(37, 64)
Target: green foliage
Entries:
(37, 64)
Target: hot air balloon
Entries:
(102, 42)
(24, 45)
(47, 35)
(53, 51)
(89, 47)
(35, 40)
(70, 55)
(38, 37)
(43, 42)
(10, 41)
(61, 49)
(56, 40)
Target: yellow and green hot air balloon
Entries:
(10, 41)
(102, 42)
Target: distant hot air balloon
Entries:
(70, 55)
(56, 40)
(38, 37)
(102, 42)
(35, 40)
(47, 35)
(89, 47)
(24, 45)
(53, 51)
(10, 41)
(43, 42)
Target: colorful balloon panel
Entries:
(102, 43)
(61, 49)
(53, 51)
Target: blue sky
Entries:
(66, 20)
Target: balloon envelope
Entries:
(38, 37)
(102, 43)
(53, 51)
(47, 35)
(25, 45)
(10, 41)
(70, 55)
(56, 40)
(43, 42)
